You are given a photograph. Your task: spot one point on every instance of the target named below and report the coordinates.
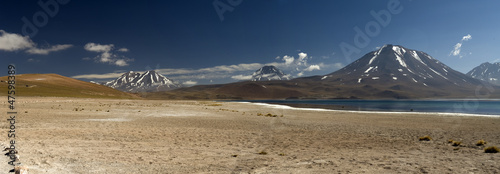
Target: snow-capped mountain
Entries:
(397, 64)
(146, 82)
(268, 73)
(489, 72)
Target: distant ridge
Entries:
(54, 85)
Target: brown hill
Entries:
(54, 85)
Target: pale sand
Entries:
(138, 136)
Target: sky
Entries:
(221, 41)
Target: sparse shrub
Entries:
(259, 114)
(456, 143)
(282, 154)
(450, 141)
(262, 153)
(215, 104)
(234, 155)
(425, 138)
(480, 143)
(270, 115)
(491, 149)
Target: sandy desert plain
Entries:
(72, 135)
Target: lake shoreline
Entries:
(348, 107)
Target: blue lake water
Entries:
(483, 107)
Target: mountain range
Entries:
(391, 72)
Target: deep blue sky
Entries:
(188, 42)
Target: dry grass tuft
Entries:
(480, 143)
(425, 138)
(491, 149)
(456, 143)
(450, 141)
(270, 115)
(262, 153)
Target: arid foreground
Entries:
(68, 135)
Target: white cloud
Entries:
(458, 47)
(216, 69)
(302, 56)
(242, 77)
(98, 76)
(294, 65)
(300, 74)
(123, 50)
(302, 60)
(16, 42)
(46, 51)
(121, 62)
(107, 56)
(288, 60)
(456, 50)
(190, 83)
(312, 68)
(98, 47)
(466, 38)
